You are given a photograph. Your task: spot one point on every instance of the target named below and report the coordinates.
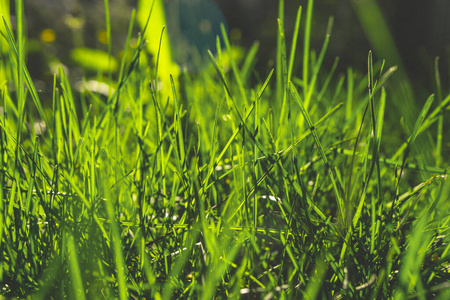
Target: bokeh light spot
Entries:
(103, 37)
(235, 34)
(48, 35)
(74, 22)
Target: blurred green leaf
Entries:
(95, 60)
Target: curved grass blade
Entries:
(30, 84)
(319, 146)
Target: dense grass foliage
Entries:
(299, 183)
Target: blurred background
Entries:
(408, 33)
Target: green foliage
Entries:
(293, 186)
(95, 60)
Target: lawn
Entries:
(147, 182)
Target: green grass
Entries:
(307, 184)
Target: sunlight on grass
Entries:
(144, 182)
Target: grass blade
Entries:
(319, 146)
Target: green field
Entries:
(302, 183)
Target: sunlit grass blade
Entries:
(108, 42)
(249, 62)
(234, 67)
(278, 66)
(328, 80)
(440, 128)
(217, 183)
(284, 73)
(312, 83)
(28, 79)
(292, 54)
(414, 133)
(306, 48)
(178, 127)
(336, 189)
(75, 272)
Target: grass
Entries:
(306, 184)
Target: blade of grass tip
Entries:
(237, 76)
(249, 62)
(178, 127)
(219, 68)
(294, 42)
(349, 186)
(434, 115)
(440, 128)
(21, 65)
(278, 66)
(30, 84)
(374, 128)
(158, 55)
(257, 128)
(69, 125)
(318, 64)
(380, 122)
(349, 102)
(380, 82)
(287, 73)
(70, 104)
(127, 43)
(328, 80)
(338, 90)
(219, 57)
(108, 43)
(55, 140)
(319, 146)
(412, 138)
(113, 100)
(221, 77)
(288, 249)
(242, 120)
(288, 149)
(82, 137)
(306, 46)
(219, 72)
(21, 105)
(158, 118)
(147, 21)
(283, 66)
(383, 63)
(397, 163)
(265, 84)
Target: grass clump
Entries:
(293, 187)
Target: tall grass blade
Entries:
(30, 84)
(440, 127)
(306, 48)
(336, 189)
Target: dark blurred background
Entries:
(420, 30)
